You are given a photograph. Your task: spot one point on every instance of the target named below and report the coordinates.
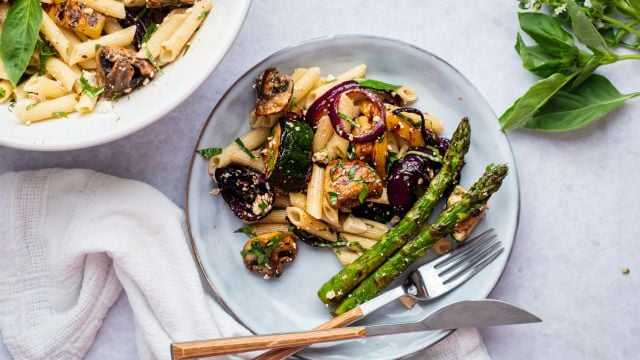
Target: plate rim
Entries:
(513, 168)
(124, 132)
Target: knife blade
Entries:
(457, 315)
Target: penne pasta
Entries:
(346, 257)
(6, 90)
(86, 103)
(168, 26)
(282, 201)
(315, 193)
(354, 225)
(275, 217)
(44, 86)
(251, 141)
(56, 37)
(407, 94)
(171, 47)
(300, 219)
(297, 73)
(112, 25)
(262, 121)
(358, 71)
(305, 83)
(260, 229)
(88, 49)
(298, 200)
(323, 134)
(62, 72)
(242, 158)
(330, 215)
(28, 113)
(365, 242)
(107, 7)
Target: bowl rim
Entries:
(159, 112)
(513, 167)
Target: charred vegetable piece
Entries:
(374, 211)
(462, 230)
(142, 18)
(120, 70)
(267, 254)
(274, 92)
(246, 191)
(410, 177)
(78, 17)
(155, 4)
(288, 154)
(348, 183)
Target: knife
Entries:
(457, 315)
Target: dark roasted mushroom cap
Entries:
(274, 92)
(267, 253)
(120, 70)
(246, 191)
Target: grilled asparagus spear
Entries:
(341, 284)
(471, 201)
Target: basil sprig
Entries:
(571, 96)
(19, 36)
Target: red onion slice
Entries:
(320, 105)
(380, 120)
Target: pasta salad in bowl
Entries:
(85, 65)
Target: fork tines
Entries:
(467, 260)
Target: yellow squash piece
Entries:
(78, 17)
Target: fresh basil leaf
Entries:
(579, 107)
(363, 194)
(19, 36)
(526, 106)
(45, 52)
(541, 63)
(333, 197)
(3, 92)
(586, 71)
(583, 28)
(548, 32)
(635, 4)
(376, 85)
(59, 114)
(208, 153)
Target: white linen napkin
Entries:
(71, 240)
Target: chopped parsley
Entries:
(59, 114)
(202, 15)
(45, 52)
(31, 106)
(97, 47)
(171, 5)
(186, 48)
(352, 172)
(247, 230)
(263, 206)
(3, 92)
(208, 153)
(150, 30)
(292, 103)
(151, 60)
(351, 152)
(141, 13)
(363, 194)
(333, 197)
(262, 251)
(344, 117)
(244, 148)
(88, 89)
(376, 84)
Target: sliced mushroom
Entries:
(120, 70)
(349, 182)
(274, 92)
(267, 254)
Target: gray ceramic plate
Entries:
(290, 303)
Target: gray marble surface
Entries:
(580, 203)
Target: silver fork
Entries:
(428, 282)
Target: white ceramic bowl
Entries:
(143, 106)
(290, 302)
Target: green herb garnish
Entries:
(88, 89)
(363, 194)
(247, 230)
(333, 197)
(141, 13)
(346, 118)
(3, 92)
(97, 47)
(59, 114)
(186, 48)
(208, 153)
(151, 59)
(202, 15)
(150, 30)
(376, 84)
(19, 36)
(244, 148)
(45, 52)
(410, 120)
(263, 206)
(292, 103)
(31, 106)
(351, 153)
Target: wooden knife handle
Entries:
(193, 349)
(338, 321)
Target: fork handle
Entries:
(338, 321)
(193, 349)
